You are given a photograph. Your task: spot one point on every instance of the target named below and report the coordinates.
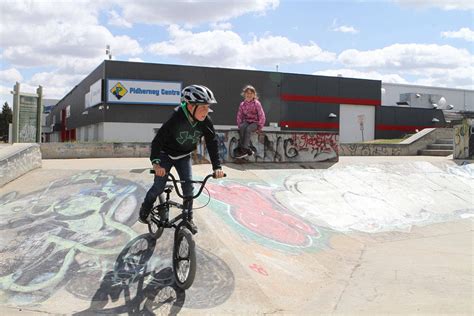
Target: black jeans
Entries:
(184, 169)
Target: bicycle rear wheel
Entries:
(184, 258)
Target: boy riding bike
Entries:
(176, 140)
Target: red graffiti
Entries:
(319, 142)
(259, 269)
(251, 208)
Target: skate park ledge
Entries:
(18, 159)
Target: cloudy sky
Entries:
(57, 43)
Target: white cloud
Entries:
(346, 29)
(442, 65)
(116, 20)
(442, 4)
(136, 59)
(407, 57)
(58, 84)
(343, 28)
(350, 73)
(464, 33)
(167, 12)
(44, 33)
(10, 75)
(221, 26)
(227, 49)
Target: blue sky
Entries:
(57, 43)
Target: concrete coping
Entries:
(417, 136)
(278, 131)
(13, 149)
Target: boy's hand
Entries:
(159, 171)
(218, 173)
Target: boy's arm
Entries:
(157, 143)
(212, 144)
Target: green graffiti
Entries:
(85, 214)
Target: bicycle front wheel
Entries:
(184, 258)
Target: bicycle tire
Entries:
(154, 229)
(184, 260)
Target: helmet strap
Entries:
(194, 112)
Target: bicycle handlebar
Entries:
(202, 182)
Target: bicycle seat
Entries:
(168, 188)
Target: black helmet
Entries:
(197, 94)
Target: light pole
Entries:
(108, 51)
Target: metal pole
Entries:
(39, 112)
(16, 112)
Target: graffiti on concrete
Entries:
(356, 149)
(259, 269)
(461, 140)
(44, 231)
(142, 277)
(67, 235)
(253, 211)
(277, 147)
(27, 132)
(380, 197)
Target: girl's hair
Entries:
(251, 88)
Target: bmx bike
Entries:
(184, 252)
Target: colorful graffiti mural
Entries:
(462, 139)
(380, 197)
(67, 235)
(277, 147)
(43, 231)
(253, 211)
(142, 275)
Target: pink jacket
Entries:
(251, 112)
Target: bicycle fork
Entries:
(188, 213)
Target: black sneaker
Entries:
(240, 153)
(143, 215)
(249, 151)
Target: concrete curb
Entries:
(408, 147)
(276, 146)
(18, 159)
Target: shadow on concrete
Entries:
(144, 292)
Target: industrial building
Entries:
(128, 101)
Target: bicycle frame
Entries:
(184, 247)
(167, 203)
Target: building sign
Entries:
(96, 93)
(143, 92)
(94, 96)
(87, 100)
(27, 119)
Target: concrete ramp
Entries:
(365, 235)
(18, 159)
